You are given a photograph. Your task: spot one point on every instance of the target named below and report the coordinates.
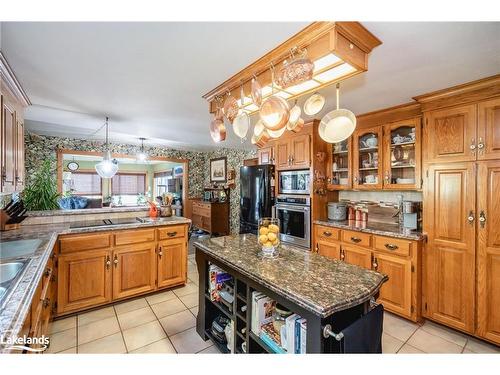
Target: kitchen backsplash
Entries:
(39, 148)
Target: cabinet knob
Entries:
(480, 145)
(342, 254)
(46, 303)
(160, 252)
(470, 218)
(472, 145)
(482, 219)
(108, 262)
(116, 260)
(375, 264)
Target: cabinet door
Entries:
(488, 127)
(328, 249)
(488, 257)
(449, 220)
(19, 178)
(450, 135)
(172, 262)
(282, 150)
(401, 155)
(340, 170)
(134, 269)
(356, 255)
(395, 293)
(265, 155)
(367, 160)
(84, 280)
(8, 148)
(300, 150)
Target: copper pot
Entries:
(261, 139)
(218, 130)
(256, 92)
(294, 71)
(297, 127)
(275, 113)
(231, 108)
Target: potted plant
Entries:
(41, 194)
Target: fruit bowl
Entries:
(269, 235)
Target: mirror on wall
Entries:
(135, 183)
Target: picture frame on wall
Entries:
(218, 169)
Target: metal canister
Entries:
(337, 211)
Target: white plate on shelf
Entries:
(405, 180)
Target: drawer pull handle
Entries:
(108, 262)
(160, 253)
(171, 234)
(116, 261)
(327, 234)
(355, 239)
(342, 254)
(375, 264)
(390, 246)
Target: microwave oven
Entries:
(294, 182)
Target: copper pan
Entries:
(274, 108)
(297, 127)
(231, 108)
(256, 92)
(218, 130)
(261, 140)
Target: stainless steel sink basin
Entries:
(19, 248)
(2, 291)
(8, 271)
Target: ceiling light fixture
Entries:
(337, 125)
(108, 167)
(142, 155)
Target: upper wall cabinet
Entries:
(488, 130)
(450, 134)
(367, 160)
(402, 155)
(13, 100)
(341, 165)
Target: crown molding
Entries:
(11, 82)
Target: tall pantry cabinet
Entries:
(12, 103)
(461, 138)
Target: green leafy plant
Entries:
(41, 194)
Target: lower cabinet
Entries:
(122, 264)
(84, 280)
(172, 262)
(357, 256)
(134, 269)
(328, 249)
(396, 293)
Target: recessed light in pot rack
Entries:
(337, 125)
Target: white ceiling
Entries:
(149, 77)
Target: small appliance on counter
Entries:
(411, 212)
(337, 211)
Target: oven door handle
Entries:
(291, 208)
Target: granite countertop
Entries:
(381, 229)
(316, 283)
(15, 307)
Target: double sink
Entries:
(113, 222)
(14, 257)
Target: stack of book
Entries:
(216, 279)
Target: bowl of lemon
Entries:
(269, 235)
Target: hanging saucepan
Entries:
(260, 140)
(295, 70)
(337, 125)
(295, 113)
(274, 113)
(231, 108)
(218, 130)
(314, 104)
(297, 127)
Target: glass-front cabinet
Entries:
(367, 163)
(402, 155)
(340, 166)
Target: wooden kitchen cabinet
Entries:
(282, 150)
(134, 269)
(293, 152)
(328, 249)
(84, 280)
(450, 134)
(340, 167)
(488, 130)
(9, 146)
(172, 262)
(356, 255)
(395, 294)
(450, 214)
(488, 251)
(212, 217)
(367, 158)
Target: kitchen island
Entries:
(321, 290)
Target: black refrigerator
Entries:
(256, 195)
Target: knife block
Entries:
(4, 217)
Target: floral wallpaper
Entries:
(39, 148)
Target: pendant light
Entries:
(337, 125)
(142, 155)
(108, 167)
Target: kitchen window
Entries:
(86, 183)
(126, 187)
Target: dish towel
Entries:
(365, 334)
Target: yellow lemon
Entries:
(263, 239)
(274, 228)
(268, 244)
(276, 242)
(271, 236)
(263, 230)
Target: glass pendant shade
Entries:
(106, 168)
(337, 125)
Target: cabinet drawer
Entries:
(84, 242)
(392, 245)
(127, 237)
(357, 238)
(327, 233)
(201, 211)
(173, 231)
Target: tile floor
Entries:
(165, 323)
